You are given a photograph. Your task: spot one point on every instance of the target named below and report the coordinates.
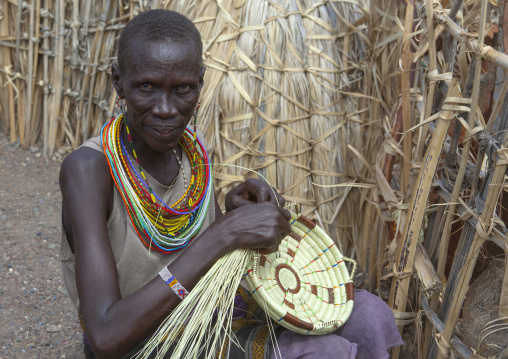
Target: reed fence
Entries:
(450, 167)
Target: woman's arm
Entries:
(115, 324)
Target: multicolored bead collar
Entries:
(160, 226)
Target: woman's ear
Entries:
(201, 77)
(116, 75)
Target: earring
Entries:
(196, 110)
(121, 104)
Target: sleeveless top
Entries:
(136, 265)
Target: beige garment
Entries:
(136, 265)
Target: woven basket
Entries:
(305, 286)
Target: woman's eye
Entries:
(184, 88)
(146, 86)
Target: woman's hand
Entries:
(259, 226)
(252, 191)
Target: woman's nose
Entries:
(165, 106)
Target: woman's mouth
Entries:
(163, 131)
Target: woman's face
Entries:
(161, 84)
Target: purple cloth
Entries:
(241, 308)
(368, 334)
(328, 346)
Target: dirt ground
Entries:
(37, 319)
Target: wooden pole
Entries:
(35, 101)
(57, 73)
(461, 348)
(462, 171)
(8, 65)
(29, 79)
(405, 79)
(487, 133)
(20, 84)
(406, 247)
(503, 302)
(45, 79)
(433, 72)
(489, 53)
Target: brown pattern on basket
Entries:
(284, 289)
(295, 236)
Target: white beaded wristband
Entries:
(175, 285)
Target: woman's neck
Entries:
(163, 166)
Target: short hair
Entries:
(159, 25)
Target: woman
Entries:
(144, 170)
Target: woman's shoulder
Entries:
(84, 168)
(83, 161)
(95, 143)
(87, 157)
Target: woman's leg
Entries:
(371, 326)
(292, 345)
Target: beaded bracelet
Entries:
(175, 285)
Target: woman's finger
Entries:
(239, 201)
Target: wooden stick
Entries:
(423, 133)
(29, 79)
(8, 64)
(431, 74)
(500, 103)
(431, 242)
(75, 61)
(376, 253)
(488, 132)
(462, 349)
(450, 212)
(45, 80)
(497, 236)
(456, 31)
(406, 96)
(57, 73)
(93, 67)
(19, 81)
(86, 79)
(426, 272)
(20, 85)
(396, 121)
(503, 302)
(452, 154)
(35, 101)
(406, 248)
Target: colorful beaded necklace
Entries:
(168, 227)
